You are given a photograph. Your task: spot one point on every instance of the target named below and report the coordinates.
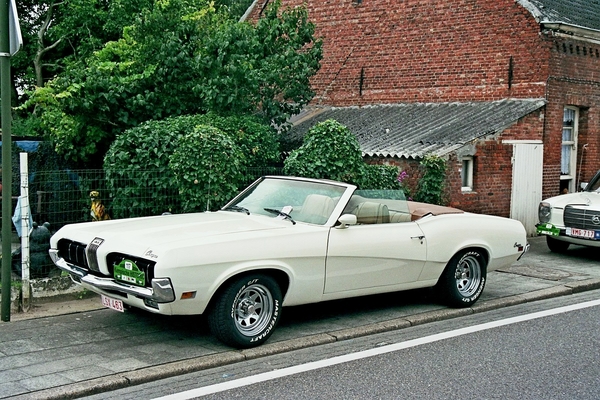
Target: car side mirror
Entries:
(346, 220)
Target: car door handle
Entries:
(421, 237)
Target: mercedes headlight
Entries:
(544, 211)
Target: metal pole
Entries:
(5, 93)
(25, 228)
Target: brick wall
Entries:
(396, 51)
(426, 51)
(574, 80)
(492, 170)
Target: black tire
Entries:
(246, 312)
(557, 246)
(463, 279)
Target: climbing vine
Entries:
(431, 185)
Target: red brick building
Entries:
(508, 91)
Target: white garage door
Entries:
(528, 158)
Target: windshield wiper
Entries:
(281, 213)
(238, 209)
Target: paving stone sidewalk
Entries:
(76, 348)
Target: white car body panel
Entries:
(394, 256)
(198, 253)
(582, 226)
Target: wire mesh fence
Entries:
(64, 197)
(69, 196)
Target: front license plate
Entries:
(128, 271)
(582, 233)
(548, 229)
(113, 304)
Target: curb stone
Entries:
(583, 286)
(144, 375)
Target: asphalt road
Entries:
(74, 354)
(542, 350)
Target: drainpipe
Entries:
(583, 149)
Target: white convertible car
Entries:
(572, 218)
(282, 242)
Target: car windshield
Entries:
(594, 185)
(297, 200)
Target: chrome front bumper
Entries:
(161, 291)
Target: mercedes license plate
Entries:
(113, 304)
(581, 233)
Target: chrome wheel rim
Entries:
(253, 310)
(468, 275)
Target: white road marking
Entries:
(266, 376)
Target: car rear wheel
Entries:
(463, 280)
(556, 246)
(246, 312)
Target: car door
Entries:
(374, 255)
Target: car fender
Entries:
(197, 268)
(499, 237)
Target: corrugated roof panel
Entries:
(582, 13)
(416, 129)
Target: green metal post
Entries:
(5, 94)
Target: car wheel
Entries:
(557, 246)
(246, 312)
(463, 280)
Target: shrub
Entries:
(257, 141)
(380, 177)
(329, 151)
(145, 152)
(207, 166)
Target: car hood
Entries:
(164, 229)
(581, 198)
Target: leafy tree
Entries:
(236, 8)
(180, 57)
(59, 32)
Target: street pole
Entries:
(5, 114)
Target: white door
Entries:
(528, 158)
(372, 256)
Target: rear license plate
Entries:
(113, 304)
(581, 233)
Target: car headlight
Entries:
(544, 211)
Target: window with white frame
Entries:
(466, 174)
(568, 159)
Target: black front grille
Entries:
(73, 253)
(581, 217)
(144, 265)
